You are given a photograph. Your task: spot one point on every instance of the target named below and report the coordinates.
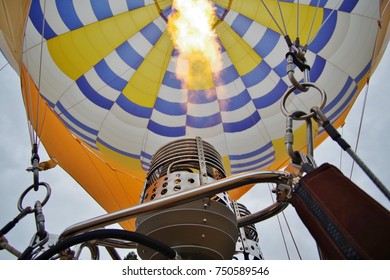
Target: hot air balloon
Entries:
(103, 95)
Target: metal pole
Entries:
(184, 197)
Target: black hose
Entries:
(109, 233)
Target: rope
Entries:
(40, 71)
(292, 236)
(273, 18)
(5, 65)
(284, 239)
(360, 125)
(28, 102)
(289, 229)
(32, 123)
(281, 15)
(324, 22)
(312, 22)
(384, 10)
(335, 135)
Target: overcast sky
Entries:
(70, 204)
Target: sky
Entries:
(70, 204)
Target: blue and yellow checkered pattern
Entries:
(109, 73)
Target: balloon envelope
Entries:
(100, 87)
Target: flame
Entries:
(191, 29)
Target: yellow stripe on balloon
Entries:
(257, 11)
(243, 57)
(77, 51)
(127, 162)
(163, 4)
(226, 165)
(144, 85)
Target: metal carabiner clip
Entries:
(39, 220)
(300, 161)
(296, 58)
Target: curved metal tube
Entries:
(93, 249)
(208, 190)
(262, 215)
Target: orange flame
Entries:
(191, 29)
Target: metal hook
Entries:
(39, 220)
(296, 58)
(304, 161)
(291, 74)
(35, 168)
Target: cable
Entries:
(281, 15)
(292, 236)
(335, 135)
(312, 22)
(360, 125)
(284, 239)
(324, 22)
(280, 226)
(384, 10)
(273, 18)
(109, 233)
(2, 67)
(40, 75)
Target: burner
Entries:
(201, 229)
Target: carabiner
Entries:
(298, 158)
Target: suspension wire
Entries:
(360, 124)
(40, 73)
(292, 236)
(282, 16)
(273, 18)
(28, 102)
(384, 10)
(324, 22)
(103, 178)
(5, 65)
(33, 124)
(284, 239)
(280, 225)
(312, 22)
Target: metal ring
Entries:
(307, 116)
(48, 193)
